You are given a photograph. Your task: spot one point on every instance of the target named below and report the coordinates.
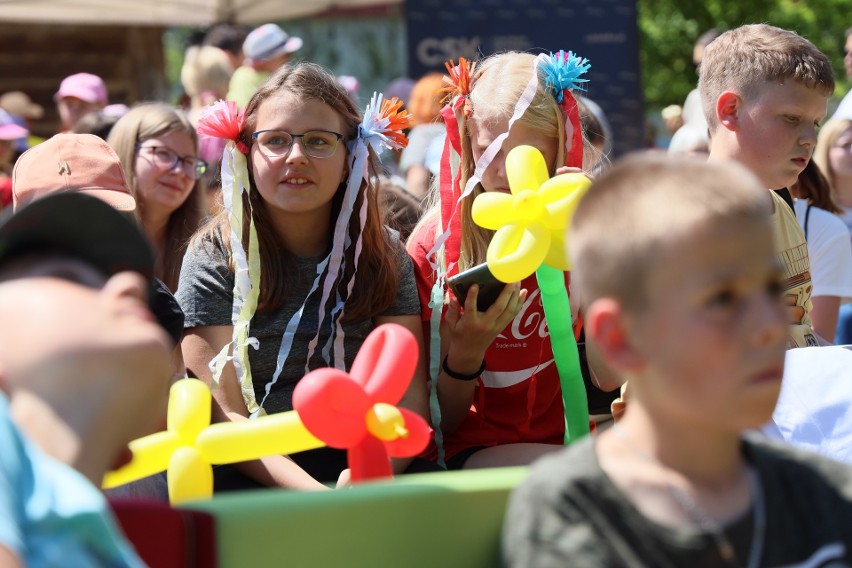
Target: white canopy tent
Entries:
(168, 12)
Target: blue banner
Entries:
(603, 31)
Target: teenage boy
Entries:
(84, 365)
(686, 302)
(764, 91)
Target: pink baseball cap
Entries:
(84, 86)
(8, 129)
(81, 163)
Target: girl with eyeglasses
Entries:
(329, 270)
(158, 148)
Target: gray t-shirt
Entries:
(569, 513)
(205, 293)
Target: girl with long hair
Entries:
(323, 268)
(158, 149)
(497, 386)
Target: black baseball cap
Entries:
(81, 225)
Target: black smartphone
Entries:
(489, 286)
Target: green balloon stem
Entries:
(557, 313)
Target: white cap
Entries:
(268, 41)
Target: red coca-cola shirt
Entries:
(518, 398)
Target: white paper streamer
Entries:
(246, 276)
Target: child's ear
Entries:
(606, 325)
(727, 106)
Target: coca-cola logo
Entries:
(530, 320)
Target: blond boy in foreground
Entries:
(764, 91)
(685, 301)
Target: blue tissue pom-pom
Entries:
(563, 71)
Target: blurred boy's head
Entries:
(674, 266)
(764, 90)
(74, 279)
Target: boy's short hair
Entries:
(744, 58)
(643, 205)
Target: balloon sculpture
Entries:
(354, 411)
(530, 227)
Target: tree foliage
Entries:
(668, 30)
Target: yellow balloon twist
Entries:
(191, 445)
(532, 221)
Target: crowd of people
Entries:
(144, 247)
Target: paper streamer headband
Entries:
(223, 119)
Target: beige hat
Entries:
(80, 163)
(19, 104)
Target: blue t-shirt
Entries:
(50, 515)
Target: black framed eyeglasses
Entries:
(167, 159)
(316, 143)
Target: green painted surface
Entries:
(440, 519)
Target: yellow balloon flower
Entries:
(530, 223)
(190, 445)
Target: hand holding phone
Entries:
(489, 286)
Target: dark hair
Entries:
(813, 186)
(97, 123)
(402, 209)
(227, 37)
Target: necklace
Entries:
(705, 522)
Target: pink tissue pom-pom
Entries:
(222, 119)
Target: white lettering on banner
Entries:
(433, 51)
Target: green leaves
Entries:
(668, 30)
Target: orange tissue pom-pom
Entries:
(398, 120)
(458, 82)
